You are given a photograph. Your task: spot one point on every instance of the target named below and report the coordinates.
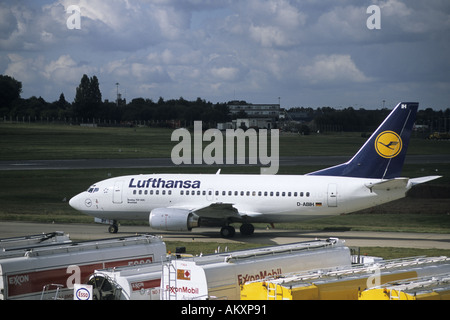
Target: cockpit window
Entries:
(92, 189)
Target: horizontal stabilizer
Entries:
(420, 180)
(388, 184)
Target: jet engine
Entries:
(168, 219)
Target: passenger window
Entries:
(307, 194)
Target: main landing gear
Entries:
(246, 229)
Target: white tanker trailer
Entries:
(25, 273)
(17, 244)
(217, 275)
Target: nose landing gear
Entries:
(113, 228)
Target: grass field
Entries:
(38, 142)
(43, 195)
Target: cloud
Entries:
(255, 50)
(332, 69)
(268, 23)
(66, 70)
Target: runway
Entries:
(81, 232)
(167, 162)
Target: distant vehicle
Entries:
(439, 136)
(181, 202)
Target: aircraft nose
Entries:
(77, 202)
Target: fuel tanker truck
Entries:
(216, 276)
(50, 270)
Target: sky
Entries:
(299, 53)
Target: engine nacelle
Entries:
(172, 219)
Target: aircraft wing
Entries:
(221, 210)
(217, 210)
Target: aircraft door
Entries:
(117, 192)
(332, 195)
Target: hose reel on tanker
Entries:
(104, 288)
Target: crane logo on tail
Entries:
(388, 144)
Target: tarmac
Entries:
(80, 232)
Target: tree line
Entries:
(88, 106)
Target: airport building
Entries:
(271, 111)
(249, 115)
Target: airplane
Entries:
(181, 202)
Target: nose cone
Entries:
(78, 202)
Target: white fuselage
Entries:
(260, 198)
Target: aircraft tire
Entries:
(247, 229)
(227, 232)
(113, 228)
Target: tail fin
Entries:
(383, 155)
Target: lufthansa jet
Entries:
(181, 202)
